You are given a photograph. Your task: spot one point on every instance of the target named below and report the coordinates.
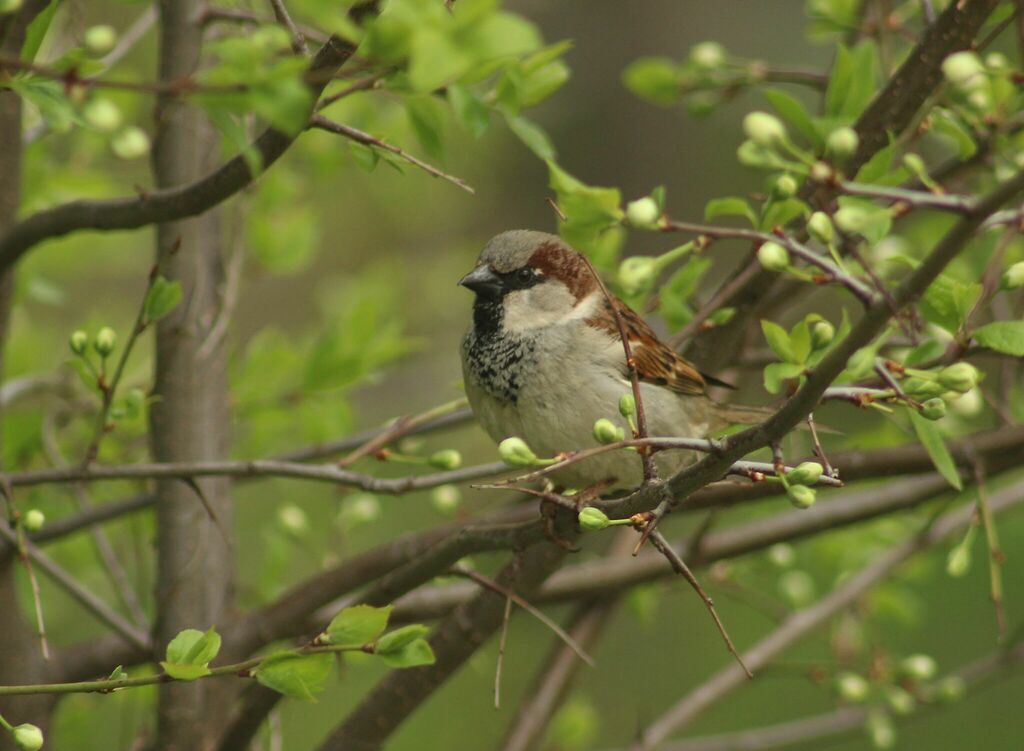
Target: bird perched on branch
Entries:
(544, 361)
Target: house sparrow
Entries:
(544, 360)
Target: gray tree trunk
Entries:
(190, 419)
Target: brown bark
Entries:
(190, 415)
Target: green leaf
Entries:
(427, 120)
(589, 210)
(729, 206)
(298, 676)
(283, 100)
(471, 112)
(412, 654)
(1002, 336)
(189, 654)
(777, 372)
(793, 112)
(680, 287)
(654, 79)
(357, 625)
(36, 32)
(162, 298)
(434, 60)
(852, 82)
(800, 342)
(399, 638)
(778, 340)
(947, 302)
(877, 165)
(930, 437)
(184, 672)
(533, 136)
(948, 124)
(781, 213)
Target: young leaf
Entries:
(778, 372)
(533, 136)
(729, 206)
(1002, 336)
(162, 298)
(930, 437)
(189, 654)
(794, 113)
(298, 676)
(399, 638)
(778, 340)
(414, 653)
(654, 79)
(357, 625)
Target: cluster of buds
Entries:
(605, 432)
(104, 343)
(798, 481)
(938, 388)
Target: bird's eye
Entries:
(525, 274)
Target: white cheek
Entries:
(544, 305)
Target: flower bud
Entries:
(592, 519)
(959, 561)
(782, 555)
(822, 334)
(99, 40)
(707, 55)
(801, 496)
(970, 404)
(852, 687)
(819, 226)
(915, 164)
(643, 212)
(785, 186)
(933, 409)
(842, 142)
(359, 508)
(514, 452)
(293, 520)
(822, 172)
(1013, 277)
(130, 143)
(797, 587)
(900, 700)
(102, 114)
(919, 667)
(961, 377)
(447, 459)
(446, 498)
(627, 405)
(764, 129)
(805, 473)
(78, 341)
(106, 341)
(34, 520)
(950, 689)
(880, 730)
(606, 432)
(773, 257)
(27, 737)
(964, 69)
(636, 273)
(922, 388)
(851, 219)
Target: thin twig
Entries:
(401, 427)
(283, 18)
(501, 652)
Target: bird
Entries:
(543, 360)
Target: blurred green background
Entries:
(330, 249)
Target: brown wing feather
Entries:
(655, 362)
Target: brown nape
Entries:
(561, 262)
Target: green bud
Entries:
(852, 219)
(785, 186)
(293, 520)
(130, 143)
(764, 129)
(708, 55)
(852, 687)
(919, 667)
(359, 508)
(970, 404)
(959, 561)
(592, 519)
(920, 387)
(627, 405)
(797, 587)
(102, 114)
(106, 341)
(819, 226)
(950, 689)
(933, 409)
(27, 737)
(446, 498)
(880, 730)
(822, 334)
(782, 555)
(99, 40)
(961, 377)
(964, 70)
(773, 256)
(805, 473)
(134, 401)
(636, 273)
(900, 700)
(514, 452)
(605, 432)
(78, 342)
(801, 496)
(447, 459)
(34, 520)
(1013, 277)
(842, 142)
(822, 172)
(643, 212)
(915, 164)
(750, 154)
(702, 103)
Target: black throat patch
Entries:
(497, 360)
